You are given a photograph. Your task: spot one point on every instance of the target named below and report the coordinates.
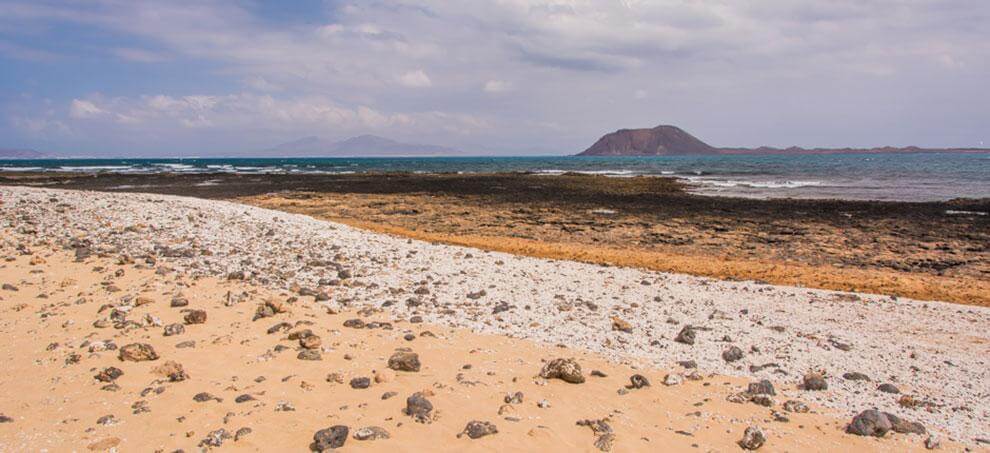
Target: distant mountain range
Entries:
(666, 140)
(9, 153)
(360, 146)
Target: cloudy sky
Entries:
(502, 76)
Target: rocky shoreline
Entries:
(918, 361)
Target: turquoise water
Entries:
(907, 177)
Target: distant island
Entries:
(360, 146)
(666, 140)
(14, 153)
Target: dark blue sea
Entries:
(905, 177)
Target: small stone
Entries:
(567, 370)
(732, 354)
(329, 438)
(310, 342)
(203, 397)
(673, 379)
(638, 381)
(242, 433)
(476, 429)
(753, 438)
(310, 354)
(195, 317)
(686, 335)
(855, 376)
(795, 406)
(933, 442)
(244, 398)
(418, 407)
(215, 438)
(172, 371)
(179, 301)
(869, 423)
(621, 325)
(763, 387)
(137, 352)
(404, 361)
(888, 388)
(514, 398)
(360, 383)
(174, 329)
(109, 374)
(371, 433)
(814, 381)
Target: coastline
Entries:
(905, 342)
(916, 250)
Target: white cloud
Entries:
(496, 86)
(415, 79)
(81, 109)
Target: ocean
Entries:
(901, 177)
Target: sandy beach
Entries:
(85, 270)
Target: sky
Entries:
(163, 78)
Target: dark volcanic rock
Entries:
(404, 361)
(638, 381)
(888, 388)
(869, 423)
(418, 407)
(329, 438)
(476, 429)
(686, 335)
(732, 354)
(138, 352)
(195, 317)
(109, 374)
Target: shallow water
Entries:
(904, 177)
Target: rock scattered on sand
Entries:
(109, 374)
(686, 335)
(137, 352)
(604, 435)
(371, 433)
(418, 407)
(567, 370)
(476, 429)
(870, 423)
(753, 438)
(888, 388)
(404, 361)
(732, 354)
(638, 381)
(326, 440)
(855, 376)
(763, 387)
(195, 317)
(172, 371)
(795, 406)
(215, 438)
(621, 325)
(814, 381)
(673, 379)
(174, 329)
(310, 354)
(360, 383)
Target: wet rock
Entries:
(174, 329)
(109, 374)
(686, 335)
(371, 433)
(888, 388)
(869, 423)
(404, 361)
(418, 407)
(814, 381)
(567, 370)
(753, 438)
(476, 429)
(195, 317)
(360, 383)
(137, 352)
(732, 354)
